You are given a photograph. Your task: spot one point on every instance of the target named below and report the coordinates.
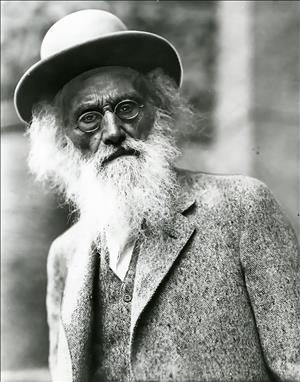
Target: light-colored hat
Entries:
(85, 40)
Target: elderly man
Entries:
(166, 274)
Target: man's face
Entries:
(104, 107)
(107, 190)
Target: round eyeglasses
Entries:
(126, 110)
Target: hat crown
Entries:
(86, 40)
(78, 28)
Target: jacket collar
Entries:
(156, 257)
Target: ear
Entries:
(64, 141)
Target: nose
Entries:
(112, 132)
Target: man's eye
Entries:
(128, 110)
(89, 121)
(89, 117)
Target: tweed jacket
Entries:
(216, 294)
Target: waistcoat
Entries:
(112, 322)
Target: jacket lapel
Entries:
(77, 309)
(156, 257)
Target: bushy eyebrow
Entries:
(84, 107)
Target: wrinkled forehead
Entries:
(103, 82)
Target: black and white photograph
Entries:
(150, 191)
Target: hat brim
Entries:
(141, 51)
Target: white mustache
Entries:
(121, 151)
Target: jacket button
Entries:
(127, 297)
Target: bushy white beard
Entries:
(124, 192)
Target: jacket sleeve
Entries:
(55, 287)
(270, 261)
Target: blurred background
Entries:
(241, 72)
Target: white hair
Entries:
(129, 189)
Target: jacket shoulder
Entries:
(226, 186)
(63, 247)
